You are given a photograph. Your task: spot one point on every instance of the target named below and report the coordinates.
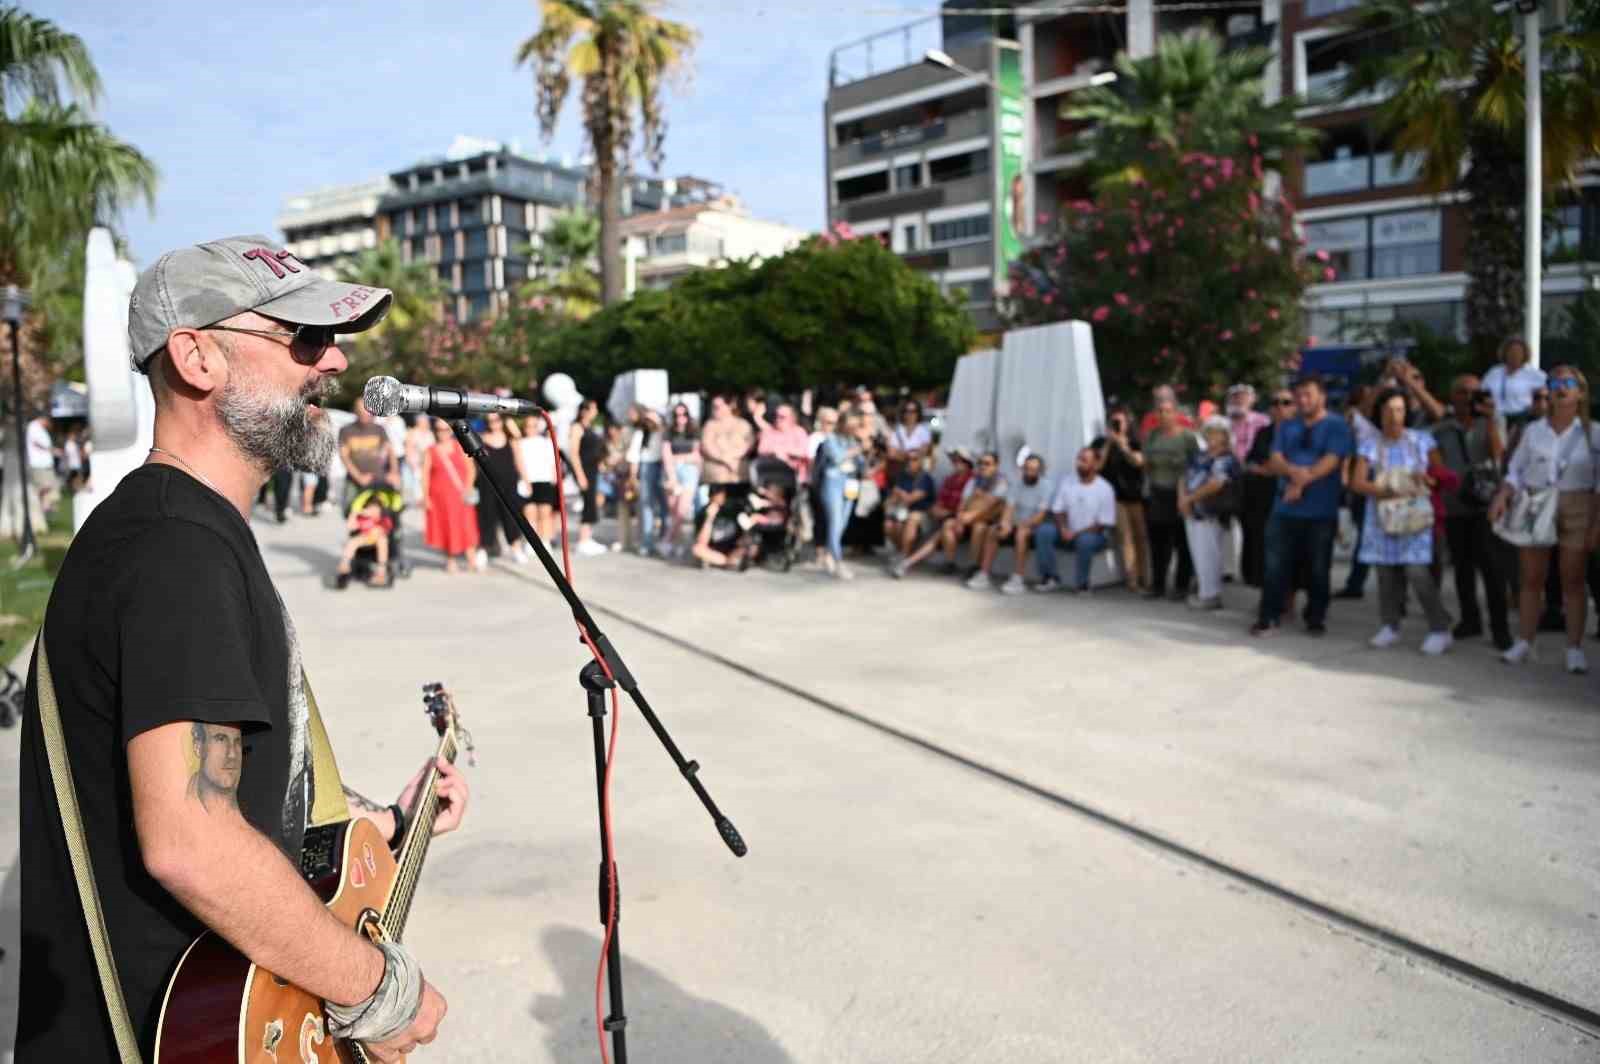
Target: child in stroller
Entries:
(372, 549)
(754, 522)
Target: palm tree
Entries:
(63, 172)
(418, 292)
(1192, 94)
(623, 53)
(1453, 80)
(565, 282)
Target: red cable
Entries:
(611, 754)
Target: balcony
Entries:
(961, 126)
(1359, 173)
(888, 204)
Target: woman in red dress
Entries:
(448, 476)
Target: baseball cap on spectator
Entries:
(197, 286)
(961, 454)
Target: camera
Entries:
(1481, 396)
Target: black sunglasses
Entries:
(1283, 402)
(306, 343)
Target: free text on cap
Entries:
(201, 285)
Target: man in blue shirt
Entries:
(1307, 454)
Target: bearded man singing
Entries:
(189, 727)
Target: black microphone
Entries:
(384, 396)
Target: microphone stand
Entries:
(595, 683)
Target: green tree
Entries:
(623, 53)
(834, 311)
(1191, 95)
(410, 341)
(1189, 276)
(1452, 80)
(565, 282)
(62, 172)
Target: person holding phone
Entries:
(1121, 462)
(1471, 442)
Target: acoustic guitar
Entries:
(221, 1009)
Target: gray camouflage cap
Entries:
(197, 286)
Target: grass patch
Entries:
(25, 589)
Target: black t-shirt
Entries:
(1125, 478)
(162, 611)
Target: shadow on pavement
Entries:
(665, 1022)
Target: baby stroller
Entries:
(774, 516)
(385, 504)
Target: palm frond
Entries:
(36, 57)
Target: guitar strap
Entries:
(328, 803)
(82, 870)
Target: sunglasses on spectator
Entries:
(306, 343)
(1283, 400)
(1565, 384)
(1541, 397)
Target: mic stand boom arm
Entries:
(619, 669)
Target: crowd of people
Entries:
(1171, 502)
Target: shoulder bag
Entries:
(1480, 481)
(82, 870)
(1405, 516)
(1530, 518)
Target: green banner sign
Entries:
(1010, 182)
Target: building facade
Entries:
(473, 214)
(916, 147)
(330, 226)
(1399, 253)
(659, 247)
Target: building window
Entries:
(476, 244)
(959, 230)
(909, 176)
(973, 292)
(1345, 241)
(672, 243)
(1319, 8)
(910, 234)
(956, 167)
(854, 188)
(1405, 244)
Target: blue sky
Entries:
(243, 104)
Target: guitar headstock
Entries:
(440, 707)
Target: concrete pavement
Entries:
(898, 907)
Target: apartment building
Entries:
(329, 226)
(659, 247)
(924, 146)
(472, 213)
(1399, 252)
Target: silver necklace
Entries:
(204, 479)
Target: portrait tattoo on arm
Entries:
(219, 760)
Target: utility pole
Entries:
(1533, 209)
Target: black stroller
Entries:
(759, 520)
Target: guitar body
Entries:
(221, 1009)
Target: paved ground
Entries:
(897, 906)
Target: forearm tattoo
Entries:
(363, 803)
(219, 760)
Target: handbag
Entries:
(1405, 516)
(55, 746)
(1529, 519)
(868, 496)
(468, 495)
(1481, 480)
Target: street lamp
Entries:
(1533, 206)
(13, 304)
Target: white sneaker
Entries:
(1198, 603)
(1437, 643)
(898, 570)
(1520, 651)
(830, 565)
(480, 560)
(1013, 585)
(978, 581)
(589, 548)
(1576, 662)
(1047, 585)
(1386, 637)
(844, 572)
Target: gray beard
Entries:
(276, 433)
